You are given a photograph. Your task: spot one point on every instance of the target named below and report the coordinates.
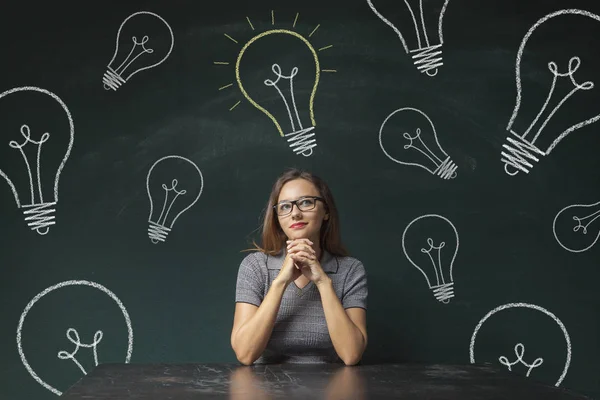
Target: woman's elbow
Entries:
(246, 360)
(352, 359)
(244, 357)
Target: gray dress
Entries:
(300, 334)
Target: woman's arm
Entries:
(349, 338)
(252, 327)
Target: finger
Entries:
(300, 246)
(303, 255)
(309, 252)
(299, 240)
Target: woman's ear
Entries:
(326, 217)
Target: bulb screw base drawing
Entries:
(517, 154)
(444, 292)
(112, 80)
(428, 59)
(39, 217)
(301, 142)
(446, 170)
(157, 233)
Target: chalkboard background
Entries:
(179, 294)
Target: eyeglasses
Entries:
(304, 204)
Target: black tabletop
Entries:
(308, 381)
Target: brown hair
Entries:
(273, 238)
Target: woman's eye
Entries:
(284, 207)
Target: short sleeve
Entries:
(355, 287)
(250, 284)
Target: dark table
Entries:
(308, 382)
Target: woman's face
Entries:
(302, 224)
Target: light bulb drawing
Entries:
(519, 347)
(36, 202)
(425, 49)
(171, 197)
(522, 146)
(423, 240)
(283, 83)
(73, 334)
(574, 227)
(420, 147)
(145, 50)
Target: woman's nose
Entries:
(296, 210)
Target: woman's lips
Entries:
(298, 226)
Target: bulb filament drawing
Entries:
(426, 52)
(41, 217)
(521, 150)
(301, 139)
(158, 229)
(520, 352)
(441, 289)
(73, 337)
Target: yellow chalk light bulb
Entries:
(301, 138)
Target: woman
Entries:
(300, 298)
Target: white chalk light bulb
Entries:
(420, 146)
(575, 227)
(425, 49)
(522, 147)
(301, 138)
(71, 333)
(34, 197)
(425, 243)
(136, 47)
(170, 198)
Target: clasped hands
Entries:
(301, 259)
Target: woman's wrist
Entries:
(280, 282)
(326, 280)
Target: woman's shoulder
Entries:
(255, 257)
(349, 261)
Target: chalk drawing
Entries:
(423, 149)
(72, 334)
(425, 52)
(138, 57)
(520, 349)
(38, 210)
(582, 215)
(521, 150)
(73, 337)
(300, 136)
(437, 272)
(520, 352)
(162, 219)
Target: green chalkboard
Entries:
(408, 129)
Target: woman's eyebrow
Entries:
(301, 197)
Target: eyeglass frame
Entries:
(295, 202)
